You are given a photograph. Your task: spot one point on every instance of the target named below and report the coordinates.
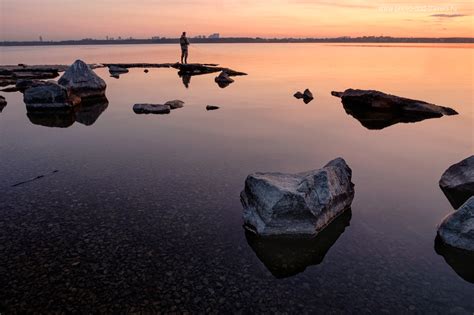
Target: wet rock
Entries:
(303, 204)
(377, 110)
(286, 257)
(211, 107)
(461, 261)
(457, 229)
(175, 104)
(80, 80)
(47, 96)
(7, 82)
(151, 109)
(457, 182)
(223, 79)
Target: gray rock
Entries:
(175, 104)
(47, 96)
(151, 109)
(211, 107)
(377, 110)
(457, 229)
(80, 80)
(457, 182)
(303, 204)
(223, 79)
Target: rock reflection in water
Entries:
(461, 261)
(286, 257)
(377, 120)
(86, 113)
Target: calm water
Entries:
(144, 211)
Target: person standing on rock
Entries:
(184, 42)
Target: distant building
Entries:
(214, 36)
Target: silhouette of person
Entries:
(184, 42)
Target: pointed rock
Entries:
(80, 80)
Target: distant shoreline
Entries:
(340, 40)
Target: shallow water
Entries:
(144, 211)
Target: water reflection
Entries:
(379, 119)
(86, 113)
(461, 261)
(286, 257)
(186, 80)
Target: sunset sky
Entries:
(76, 19)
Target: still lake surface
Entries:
(144, 211)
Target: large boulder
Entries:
(81, 81)
(457, 229)
(377, 110)
(457, 182)
(47, 96)
(460, 260)
(303, 204)
(151, 109)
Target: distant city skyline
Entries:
(66, 19)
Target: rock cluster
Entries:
(307, 96)
(303, 204)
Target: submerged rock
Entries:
(151, 109)
(461, 261)
(175, 104)
(303, 204)
(24, 84)
(80, 80)
(457, 229)
(47, 96)
(211, 107)
(377, 110)
(223, 79)
(457, 182)
(286, 257)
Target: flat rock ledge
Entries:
(175, 104)
(457, 229)
(457, 182)
(151, 109)
(296, 205)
